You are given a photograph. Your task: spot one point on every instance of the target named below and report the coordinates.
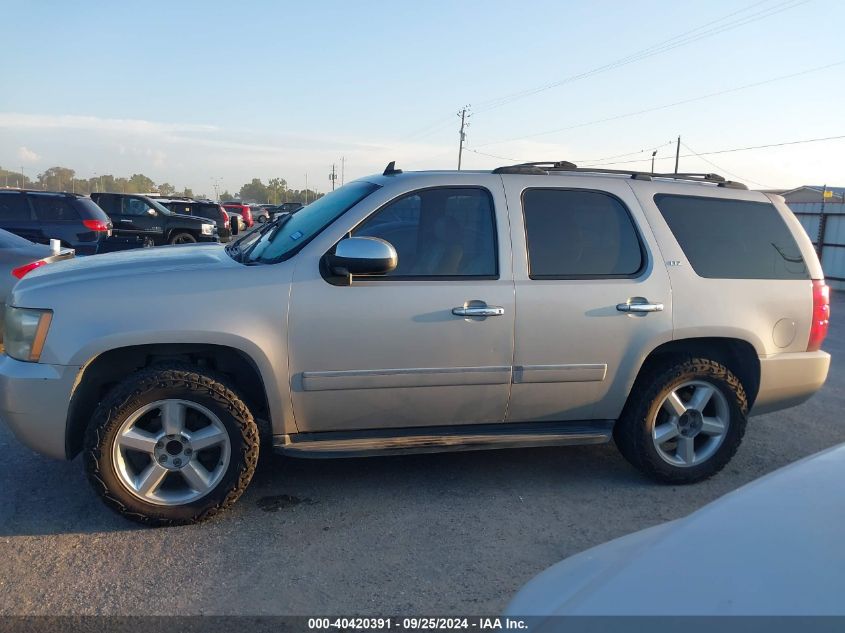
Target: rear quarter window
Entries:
(733, 239)
(53, 208)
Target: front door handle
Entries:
(639, 307)
(478, 311)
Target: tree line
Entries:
(275, 191)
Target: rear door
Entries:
(583, 251)
(17, 217)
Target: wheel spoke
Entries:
(673, 404)
(700, 397)
(137, 440)
(665, 432)
(205, 438)
(686, 450)
(196, 476)
(713, 426)
(173, 417)
(150, 479)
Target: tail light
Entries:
(821, 315)
(97, 226)
(23, 271)
(224, 216)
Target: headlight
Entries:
(26, 331)
(208, 229)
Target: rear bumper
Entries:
(787, 380)
(34, 401)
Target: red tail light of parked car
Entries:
(98, 226)
(23, 271)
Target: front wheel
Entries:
(183, 238)
(171, 445)
(684, 421)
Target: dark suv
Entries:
(40, 216)
(201, 209)
(139, 216)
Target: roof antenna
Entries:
(391, 170)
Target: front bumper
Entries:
(787, 380)
(34, 402)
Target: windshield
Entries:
(300, 228)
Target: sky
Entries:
(194, 93)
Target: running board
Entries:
(475, 437)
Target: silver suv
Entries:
(534, 305)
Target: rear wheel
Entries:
(684, 420)
(171, 445)
(182, 238)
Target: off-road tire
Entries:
(183, 237)
(164, 382)
(633, 431)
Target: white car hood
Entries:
(773, 547)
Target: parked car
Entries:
(770, 548)
(18, 258)
(533, 305)
(40, 216)
(136, 215)
(236, 217)
(202, 209)
(287, 207)
(242, 209)
(263, 213)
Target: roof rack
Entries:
(545, 167)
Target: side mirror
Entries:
(362, 256)
(152, 212)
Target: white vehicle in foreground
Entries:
(774, 547)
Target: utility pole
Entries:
(462, 138)
(677, 153)
(333, 176)
(342, 168)
(306, 188)
(23, 178)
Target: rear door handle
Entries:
(639, 307)
(478, 311)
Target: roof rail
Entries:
(542, 168)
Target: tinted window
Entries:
(733, 239)
(53, 208)
(90, 209)
(13, 207)
(108, 203)
(438, 233)
(578, 233)
(210, 211)
(135, 206)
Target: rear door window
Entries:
(13, 207)
(733, 239)
(579, 234)
(53, 208)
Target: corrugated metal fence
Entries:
(827, 230)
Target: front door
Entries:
(593, 295)
(400, 350)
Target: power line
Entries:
(575, 160)
(725, 171)
(734, 149)
(677, 41)
(666, 105)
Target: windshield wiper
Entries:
(269, 233)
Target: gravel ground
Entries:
(450, 533)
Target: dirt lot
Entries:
(455, 533)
